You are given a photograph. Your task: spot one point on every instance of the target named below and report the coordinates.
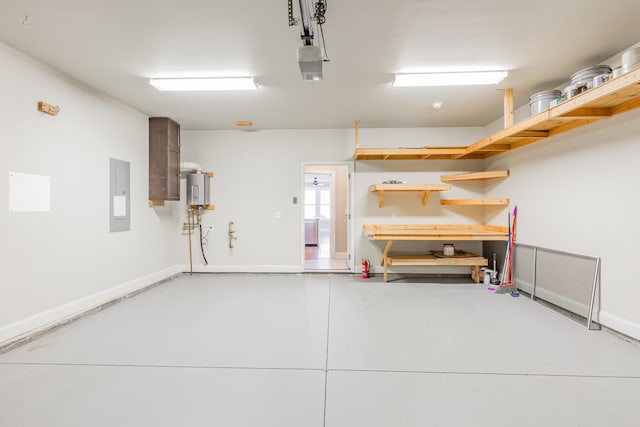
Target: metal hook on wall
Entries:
(231, 234)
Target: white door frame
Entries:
(350, 213)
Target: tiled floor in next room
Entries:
(318, 257)
(321, 350)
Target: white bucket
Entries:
(601, 79)
(617, 72)
(574, 90)
(630, 60)
(486, 276)
(539, 102)
(585, 77)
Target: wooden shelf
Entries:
(425, 153)
(475, 202)
(447, 232)
(434, 232)
(407, 188)
(615, 97)
(472, 260)
(475, 176)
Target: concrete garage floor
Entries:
(321, 350)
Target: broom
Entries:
(507, 285)
(501, 289)
(512, 282)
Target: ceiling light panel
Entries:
(467, 78)
(204, 84)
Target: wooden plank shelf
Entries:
(475, 202)
(472, 260)
(450, 232)
(407, 188)
(475, 176)
(617, 96)
(424, 153)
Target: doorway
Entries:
(327, 217)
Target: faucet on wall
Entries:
(232, 234)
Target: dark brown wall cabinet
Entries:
(164, 159)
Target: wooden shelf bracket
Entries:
(425, 198)
(425, 189)
(52, 110)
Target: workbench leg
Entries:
(425, 198)
(476, 273)
(385, 258)
(386, 263)
(386, 252)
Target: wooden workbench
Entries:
(448, 232)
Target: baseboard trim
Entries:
(25, 329)
(243, 269)
(619, 324)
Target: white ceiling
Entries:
(117, 45)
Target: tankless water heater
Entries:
(198, 189)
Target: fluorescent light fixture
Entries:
(463, 78)
(202, 84)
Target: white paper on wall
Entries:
(29, 193)
(119, 206)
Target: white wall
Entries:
(577, 192)
(258, 173)
(58, 263)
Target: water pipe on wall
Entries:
(189, 215)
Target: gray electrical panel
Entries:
(119, 198)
